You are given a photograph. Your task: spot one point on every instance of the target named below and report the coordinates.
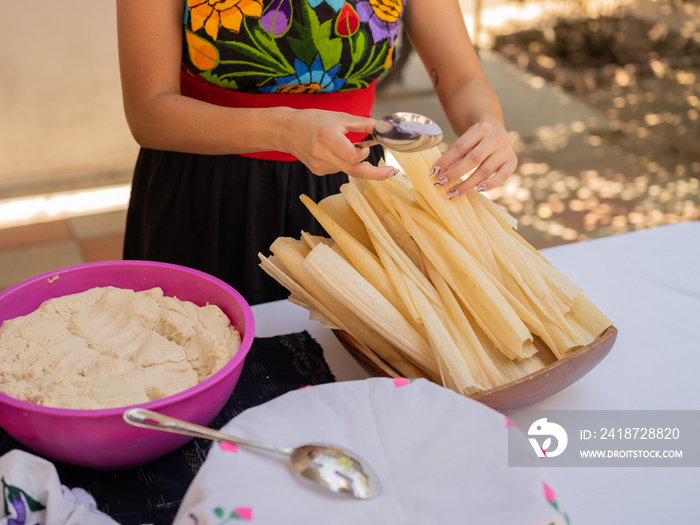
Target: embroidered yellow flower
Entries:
(387, 10)
(214, 14)
(309, 87)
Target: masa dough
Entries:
(112, 347)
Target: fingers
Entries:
(369, 171)
(462, 149)
(361, 125)
(354, 166)
(352, 163)
(482, 184)
(350, 159)
(358, 153)
(480, 160)
(328, 150)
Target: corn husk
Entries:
(441, 289)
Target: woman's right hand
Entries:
(318, 139)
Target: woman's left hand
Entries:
(484, 150)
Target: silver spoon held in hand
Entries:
(406, 132)
(326, 466)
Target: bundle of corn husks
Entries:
(445, 290)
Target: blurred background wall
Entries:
(61, 112)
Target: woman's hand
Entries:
(317, 138)
(484, 153)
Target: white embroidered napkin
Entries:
(440, 457)
(32, 493)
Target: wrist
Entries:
(280, 122)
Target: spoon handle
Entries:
(140, 417)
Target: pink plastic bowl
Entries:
(101, 439)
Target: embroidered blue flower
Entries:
(314, 79)
(335, 4)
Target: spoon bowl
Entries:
(326, 466)
(405, 132)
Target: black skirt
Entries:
(215, 213)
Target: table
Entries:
(648, 284)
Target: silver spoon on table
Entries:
(327, 466)
(406, 132)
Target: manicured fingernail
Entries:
(434, 172)
(452, 194)
(480, 187)
(393, 173)
(441, 181)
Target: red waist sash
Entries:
(358, 102)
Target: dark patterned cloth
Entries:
(152, 493)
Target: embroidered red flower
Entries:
(347, 22)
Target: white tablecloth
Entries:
(648, 284)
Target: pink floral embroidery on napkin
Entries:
(549, 493)
(229, 447)
(245, 513)
(510, 423)
(552, 499)
(402, 381)
(239, 513)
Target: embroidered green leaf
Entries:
(255, 69)
(302, 51)
(374, 64)
(329, 48)
(264, 55)
(358, 49)
(220, 80)
(230, 76)
(377, 64)
(264, 40)
(302, 47)
(316, 38)
(12, 494)
(359, 46)
(261, 61)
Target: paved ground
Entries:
(596, 162)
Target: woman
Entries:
(240, 106)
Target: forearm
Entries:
(474, 100)
(169, 121)
(460, 83)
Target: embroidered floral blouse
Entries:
(290, 46)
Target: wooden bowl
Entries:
(515, 395)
